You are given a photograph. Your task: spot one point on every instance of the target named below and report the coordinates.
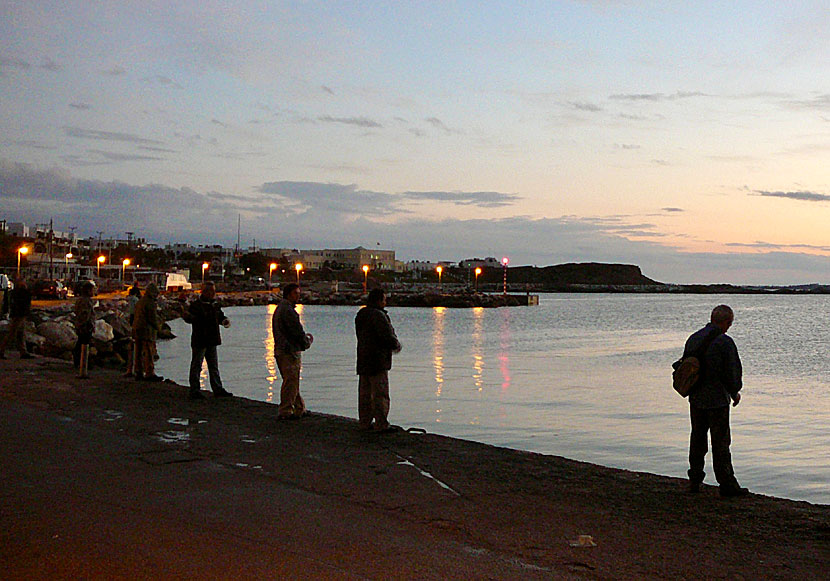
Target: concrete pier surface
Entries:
(108, 478)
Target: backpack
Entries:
(687, 369)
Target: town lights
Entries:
(365, 277)
(439, 270)
(100, 261)
(299, 268)
(205, 266)
(504, 262)
(21, 251)
(271, 268)
(124, 264)
(478, 272)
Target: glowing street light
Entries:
(365, 277)
(271, 268)
(504, 262)
(298, 267)
(477, 271)
(20, 251)
(66, 262)
(124, 264)
(205, 266)
(101, 260)
(440, 269)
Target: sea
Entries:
(584, 376)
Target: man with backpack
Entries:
(719, 386)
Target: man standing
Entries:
(20, 305)
(205, 316)
(376, 341)
(4, 292)
(290, 340)
(718, 386)
(146, 325)
(85, 327)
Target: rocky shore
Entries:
(110, 478)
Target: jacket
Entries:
(146, 322)
(376, 340)
(20, 302)
(84, 316)
(721, 371)
(289, 335)
(205, 316)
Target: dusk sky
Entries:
(689, 138)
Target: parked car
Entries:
(49, 289)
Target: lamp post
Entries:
(124, 264)
(21, 251)
(477, 271)
(100, 261)
(504, 262)
(205, 266)
(271, 268)
(440, 269)
(298, 267)
(66, 263)
(365, 277)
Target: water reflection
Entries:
(478, 347)
(438, 355)
(504, 351)
(270, 360)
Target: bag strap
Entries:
(701, 351)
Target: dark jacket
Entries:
(146, 323)
(289, 335)
(84, 317)
(20, 302)
(721, 371)
(205, 316)
(376, 340)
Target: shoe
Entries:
(305, 414)
(223, 393)
(154, 378)
(390, 429)
(195, 395)
(26, 356)
(733, 491)
(694, 487)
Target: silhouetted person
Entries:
(205, 316)
(146, 325)
(133, 296)
(290, 340)
(5, 287)
(84, 327)
(376, 342)
(20, 305)
(719, 385)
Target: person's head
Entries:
(20, 282)
(134, 290)
(86, 289)
(152, 290)
(209, 290)
(376, 298)
(722, 316)
(291, 292)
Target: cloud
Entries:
(801, 195)
(481, 199)
(358, 121)
(162, 80)
(81, 106)
(114, 71)
(657, 97)
(314, 197)
(107, 136)
(673, 209)
(14, 63)
(327, 89)
(590, 107)
(438, 124)
(115, 156)
(627, 146)
(49, 65)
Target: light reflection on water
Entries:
(582, 376)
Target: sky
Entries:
(688, 138)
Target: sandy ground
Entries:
(110, 478)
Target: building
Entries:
(356, 257)
(480, 263)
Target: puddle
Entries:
(173, 437)
(112, 415)
(178, 421)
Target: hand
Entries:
(226, 323)
(736, 400)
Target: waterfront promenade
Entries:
(109, 478)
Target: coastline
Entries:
(225, 477)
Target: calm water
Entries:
(582, 376)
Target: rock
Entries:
(103, 331)
(36, 341)
(59, 336)
(119, 323)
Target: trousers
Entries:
(210, 355)
(714, 421)
(16, 333)
(373, 400)
(291, 402)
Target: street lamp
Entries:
(298, 267)
(66, 262)
(20, 251)
(477, 271)
(271, 268)
(365, 277)
(124, 264)
(101, 260)
(205, 266)
(504, 262)
(440, 269)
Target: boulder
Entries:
(59, 336)
(119, 323)
(103, 331)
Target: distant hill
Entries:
(586, 273)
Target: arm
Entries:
(386, 333)
(730, 370)
(292, 329)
